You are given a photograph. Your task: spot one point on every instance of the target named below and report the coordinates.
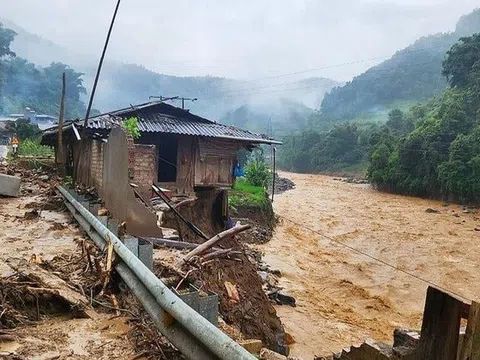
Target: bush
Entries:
(33, 148)
(257, 173)
(131, 126)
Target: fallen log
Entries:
(52, 284)
(174, 244)
(221, 253)
(209, 243)
(185, 202)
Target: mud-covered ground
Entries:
(344, 297)
(30, 232)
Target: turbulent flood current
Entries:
(344, 297)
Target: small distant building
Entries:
(43, 121)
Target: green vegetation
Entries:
(245, 194)
(434, 148)
(23, 84)
(32, 147)
(257, 173)
(22, 129)
(131, 126)
(346, 145)
(412, 74)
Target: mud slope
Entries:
(344, 297)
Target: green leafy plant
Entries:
(257, 173)
(31, 147)
(131, 126)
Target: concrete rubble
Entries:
(9, 185)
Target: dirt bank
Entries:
(344, 297)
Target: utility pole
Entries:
(83, 142)
(61, 156)
(99, 69)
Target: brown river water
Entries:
(344, 297)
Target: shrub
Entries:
(257, 173)
(33, 148)
(131, 126)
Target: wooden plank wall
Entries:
(186, 164)
(83, 157)
(214, 162)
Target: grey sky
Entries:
(240, 39)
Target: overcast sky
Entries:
(240, 38)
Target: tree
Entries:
(463, 61)
(6, 38)
(23, 129)
(398, 123)
(440, 157)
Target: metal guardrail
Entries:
(193, 335)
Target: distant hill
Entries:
(277, 118)
(124, 84)
(412, 74)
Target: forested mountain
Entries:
(124, 84)
(24, 84)
(441, 155)
(412, 74)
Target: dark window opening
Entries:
(167, 159)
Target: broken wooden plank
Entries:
(221, 253)
(440, 326)
(209, 243)
(55, 285)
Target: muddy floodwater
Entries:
(344, 297)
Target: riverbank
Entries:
(344, 297)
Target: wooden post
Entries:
(274, 170)
(471, 343)
(440, 327)
(61, 156)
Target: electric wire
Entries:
(385, 263)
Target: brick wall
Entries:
(96, 164)
(145, 170)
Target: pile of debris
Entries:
(281, 185)
(37, 181)
(352, 180)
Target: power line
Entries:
(343, 64)
(375, 258)
(238, 92)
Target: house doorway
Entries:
(167, 159)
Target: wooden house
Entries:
(176, 150)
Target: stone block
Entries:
(9, 185)
(253, 346)
(132, 244)
(145, 254)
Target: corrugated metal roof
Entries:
(164, 118)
